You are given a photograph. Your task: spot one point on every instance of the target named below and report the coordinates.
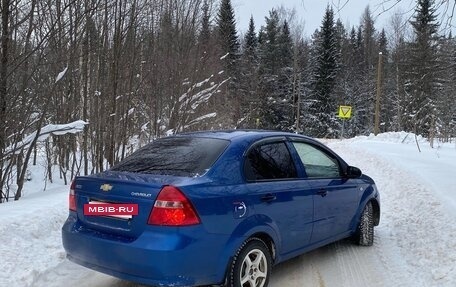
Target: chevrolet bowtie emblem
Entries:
(106, 187)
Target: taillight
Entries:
(72, 197)
(172, 208)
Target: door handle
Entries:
(268, 197)
(322, 192)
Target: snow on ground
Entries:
(30, 232)
(417, 236)
(415, 244)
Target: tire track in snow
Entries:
(354, 264)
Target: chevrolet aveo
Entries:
(217, 208)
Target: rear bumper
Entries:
(159, 256)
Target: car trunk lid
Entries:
(119, 188)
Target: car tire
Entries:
(365, 232)
(251, 266)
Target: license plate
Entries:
(118, 210)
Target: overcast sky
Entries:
(311, 11)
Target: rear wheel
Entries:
(365, 233)
(251, 266)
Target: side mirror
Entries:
(353, 172)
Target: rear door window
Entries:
(269, 161)
(181, 156)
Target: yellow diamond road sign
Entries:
(345, 112)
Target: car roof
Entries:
(235, 135)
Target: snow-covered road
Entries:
(415, 244)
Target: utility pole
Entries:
(296, 89)
(379, 94)
(298, 113)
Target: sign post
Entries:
(344, 113)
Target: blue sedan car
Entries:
(217, 208)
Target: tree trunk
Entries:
(3, 83)
(85, 88)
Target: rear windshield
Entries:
(180, 156)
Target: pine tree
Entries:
(452, 88)
(322, 121)
(269, 67)
(422, 70)
(348, 78)
(301, 84)
(205, 33)
(270, 53)
(228, 43)
(340, 46)
(354, 74)
(284, 108)
(446, 99)
(285, 46)
(204, 41)
(227, 36)
(359, 43)
(276, 64)
(249, 80)
(398, 52)
(387, 113)
(366, 109)
(250, 40)
(347, 88)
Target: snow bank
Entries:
(30, 236)
(389, 137)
